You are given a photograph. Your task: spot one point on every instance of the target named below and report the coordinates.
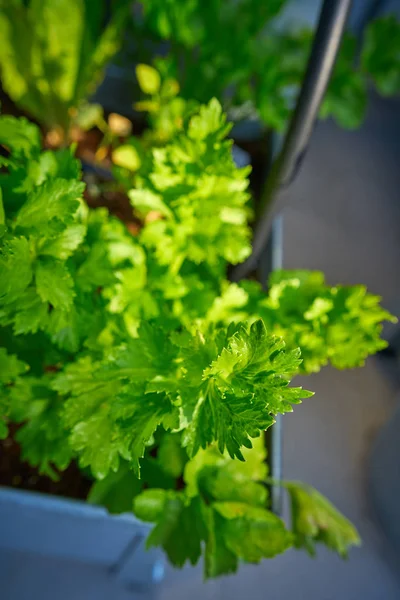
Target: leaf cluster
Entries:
(134, 357)
(242, 54)
(53, 54)
(340, 325)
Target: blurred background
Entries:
(342, 216)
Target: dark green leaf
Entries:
(116, 491)
(315, 519)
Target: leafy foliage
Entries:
(340, 325)
(190, 182)
(10, 369)
(195, 207)
(135, 357)
(223, 507)
(315, 519)
(53, 53)
(381, 54)
(214, 50)
(346, 97)
(242, 54)
(42, 436)
(227, 390)
(167, 110)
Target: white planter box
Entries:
(38, 524)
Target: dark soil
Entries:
(116, 201)
(17, 473)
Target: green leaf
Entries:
(315, 519)
(10, 367)
(380, 57)
(116, 491)
(145, 201)
(210, 120)
(169, 88)
(65, 244)
(221, 506)
(109, 418)
(340, 324)
(126, 156)
(149, 505)
(218, 559)
(89, 116)
(16, 58)
(152, 473)
(3, 428)
(39, 57)
(142, 354)
(226, 307)
(224, 482)
(147, 106)
(15, 268)
(138, 419)
(148, 78)
(171, 456)
(252, 533)
(2, 213)
(242, 390)
(19, 136)
(32, 314)
(94, 434)
(58, 164)
(66, 19)
(38, 74)
(346, 96)
(148, 356)
(180, 526)
(217, 476)
(54, 283)
(194, 183)
(51, 207)
(253, 353)
(43, 437)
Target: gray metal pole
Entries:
(331, 25)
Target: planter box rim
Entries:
(72, 506)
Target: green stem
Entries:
(273, 481)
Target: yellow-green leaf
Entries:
(147, 106)
(126, 156)
(170, 88)
(148, 78)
